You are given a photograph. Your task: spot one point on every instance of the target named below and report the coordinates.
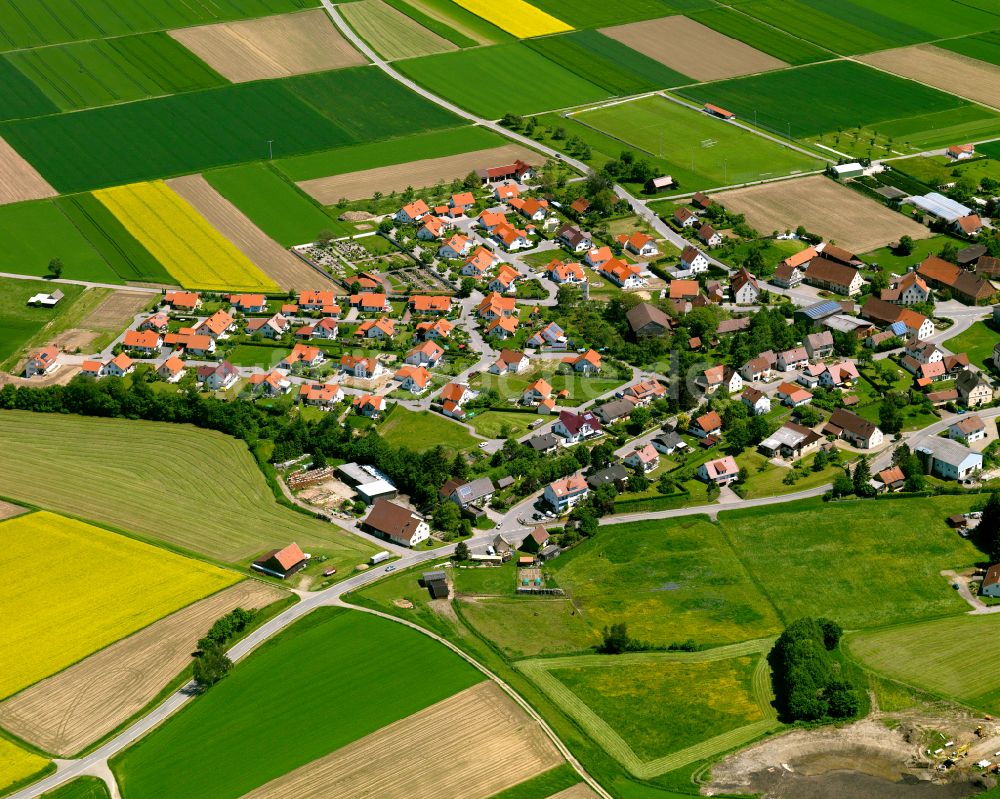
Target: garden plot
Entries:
(426, 172)
(272, 47)
(950, 72)
(693, 49)
(391, 33)
(19, 180)
(823, 207)
(65, 713)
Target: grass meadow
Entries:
(420, 430)
(493, 424)
(978, 341)
(208, 497)
(557, 628)
(108, 584)
(544, 785)
(763, 37)
(80, 788)
(339, 674)
(21, 324)
(443, 27)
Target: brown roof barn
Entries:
(282, 562)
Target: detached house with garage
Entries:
(576, 427)
(574, 238)
(563, 494)
(709, 424)
(643, 459)
(721, 472)
(853, 429)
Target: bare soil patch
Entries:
(470, 746)
(9, 510)
(824, 207)
(942, 69)
(581, 791)
(19, 180)
(66, 712)
(279, 264)
(427, 172)
(391, 33)
(271, 47)
(693, 49)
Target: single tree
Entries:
(462, 552)
(56, 267)
(615, 639)
(211, 666)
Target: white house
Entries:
(948, 459)
(694, 260)
(563, 494)
(722, 471)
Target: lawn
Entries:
(892, 262)
(937, 170)
(670, 581)
(766, 38)
(252, 355)
(284, 212)
(422, 430)
(208, 496)
(770, 481)
(954, 658)
(700, 151)
(557, 628)
(20, 324)
(108, 584)
(353, 674)
(80, 788)
(461, 75)
(581, 389)
(17, 765)
(863, 564)
(33, 233)
(978, 341)
(501, 424)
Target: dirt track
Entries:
(942, 69)
(19, 180)
(835, 212)
(271, 47)
(359, 185)
(693, 49)
(470, 746)
(66, 712)
(277, 263)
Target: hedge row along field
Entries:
(517, 17)
(43, 22)
(109, 585)
(341, 675)
(17, 764)
(191, 132)
(194, 252)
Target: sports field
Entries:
(701, 151)
(108, 584)
(17, 764)
(517, 17)
(760, 36)
(461, 76)
(390, 32)
(422, 430)
(208, 497)
(105, 71)
(190, 249)
(370, 672)
(21, 324)
(954, 657)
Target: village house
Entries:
(563, 494)
(171, 369)
(158, 322)
(853, 429)
(819, 345)
(433, 228)
(510, 362)
(643, 459)
(502, 328)
(218, 378)
(272, 328)
(248, 303)
(694, 260)
(709, 236)
(119, 366)
(644, 392)
(413, 212)
(964, 286)
(453, 396)
(272, 384)
(923, 352)
(721, 471)
(839, 375)
(369, 405)
(969, 429)
(380, 328)
(414, 379)
(787, 277)
(949, 460)
(531, 208)
(428, 354)
(395, 523)
(639, 244)
(684, 289)
(586, 363)
(759, 368)
(795, 358)
(472, 493)
(916, 325)
(182, 300)
(791, 441)
(707, 425)
(147, 342)
(756, 401)
(744, 287)
(720, 376)
(574, 238)
(669, 443)
(685, 217)
(510, 238)
(434, 331)
(908, 290)
(569, 273)
(961, 152)
(973, 390)
(826, 273)
(321, 395)
(302, 354)
(991, 582)
(361, 368)
(462, 201)
(647, 320)
(792, 395)
(551, 335)
(576, 427)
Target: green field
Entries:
(80, 788)
(441, 28)
(390, 33)
(954, 658)
(864, 564)
(978, 341)
(208, 496)
(557, 628)
(219, 127)
(339, 674)
(422, 430)
(19, 97)
(678, 135)
(470, 78)
(839, 94)
(275, 205)
(33, 233)
(105, 71)
(766, 38)
(19, 324)
(938, 170)
(42, 22)
(126, 256)
(491, 424)
(596, 13)
(544, 785)
(984, 46)
(670, 581)
(447, 14)
(580, 389)
(608, 63)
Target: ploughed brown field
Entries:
(581, 791)
(943, 69)
(271, 47)
(9, 510)
(70, 710)
(824, 207)
(19, 180)
(279, 264)
(427, 172)
(469, 746)
(692, 48)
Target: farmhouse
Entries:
(397, 524)
(852, 428)
(963, 285)
(684, 289)
(786, 276)
(948, 459)
(908, 290)
(825, 273)
(519, 171)
(563, 494)
(282, 563)
(891, 479)
(960, 152)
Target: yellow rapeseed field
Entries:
(517, 17)
(17, 764)
(182, 239)
(70, 588)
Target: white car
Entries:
(482, 444)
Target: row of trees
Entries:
(211, 663)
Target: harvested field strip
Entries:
(824, 207)
(470, 729)
(271, 47)
(276, 262)
(450, 13)
(517, 17)
(209, 497)
(95, 73)
(108, 584)
(82, 704)
(9, 510)
(19, 180)
(692, 49)
(340, 674)
(390, 32)
(358, 185)
(117, 246)
(110, 315)
(447, 28)
(950, 72)
(17, 764)
(581, 791)
(197, 255)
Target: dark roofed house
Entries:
(727, 326)
(282, 563)
(648, 320)
(988, 267)
(546, 443)
(970, 254)
(614, 410)
(476, 492)
(400, 525)
(991, 582)
(616, 475)
(853, 429)
(536, 540)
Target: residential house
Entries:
(95, 369)
(709, 235)
(910, 289)
(147, 342)
(190, 343)
(613, 410)
(960, 152)
(369, 405)
(414, 379)
(503, 328)
(685, 217)
(694, 260)
(453, 396)
(792, 395)
(171, 369)
(852, 428)
(684, 289)
(430, 304)
(596, 257)
(949, 460)
(839, 375)
(586, 363)
(795, 358)
(475, 493)
(458, 246)
(321, 395)
(721, 471)
(119, 366)
(370, 302)
(576, 427)
(551, 335)
(248, 303)
(744, 288)
(639, 244)
(510, 238)
(891, 479)
(969, 429)
(574, 238)
(616, 474)
(413, 212)
(432, 229)
(826, 273)
(644, 392)
(326, 328)
(643, 459)
(397, 524)
(505, 280)
(510, 362)
(462, 201)
(183, 300)
(380, 328)
(991, 582)
(709, 424)
(316, 300)
(158, 322)
(544, 444)
(428, 354)
(758, 368)
(669, 443)
(531, 208)
(361, 368)
(819, 345)
(566, 492)
(970, 225)
(506, 192)
(647, 320)
(273, 328)
(302, 354)
(973, 390)
(623, 275)
(569, 273)
(272, 384)
(218, 378)
(537, 392)
(923, 352)
(757, 401)
(494, 306)
(479, 263)
(720, 376)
